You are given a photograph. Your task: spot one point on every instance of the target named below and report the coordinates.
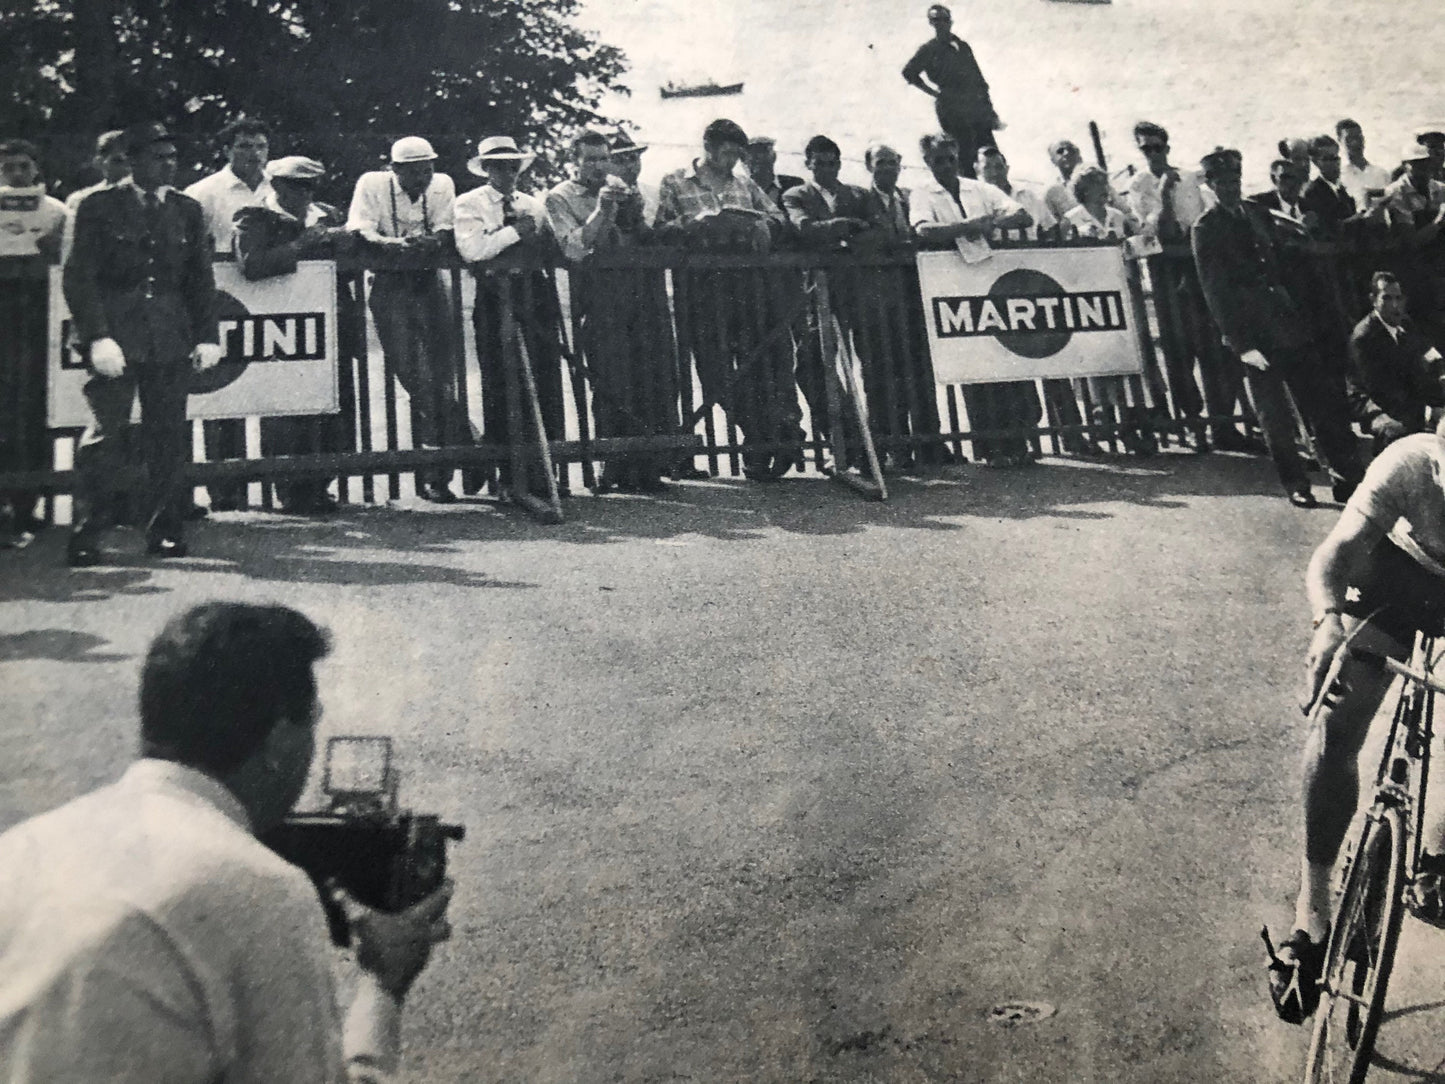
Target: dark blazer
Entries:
(807, 210)
(1391, 378)
(1331, 209)
(882, 221)
(115, 261)
(1243, 283)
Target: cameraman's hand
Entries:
(106, 358)
(394, 949)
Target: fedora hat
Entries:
(498, 149)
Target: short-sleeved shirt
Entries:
(1115, 226)
(1403, 197)
(931, 203)
(1403, 493)
(1359, 181)
(221, 195)
(953, 69)
(1190, 199)
(1034, 202)
(380, 207)
(146, 935)
(27, 215)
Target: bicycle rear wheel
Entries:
(1361, 953)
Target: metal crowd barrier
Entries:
(672, 354)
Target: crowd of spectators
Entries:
(1270, 308)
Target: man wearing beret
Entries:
(269, 239)
(141, 295)
(1269, 330)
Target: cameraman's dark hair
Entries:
(722, 131)
(220, 676)
(821, 144)
(587, 137)
(243, 126)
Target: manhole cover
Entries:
(1014, 1014)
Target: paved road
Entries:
(772, 784)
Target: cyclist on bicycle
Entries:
(1375, 581)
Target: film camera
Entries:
(385, 857)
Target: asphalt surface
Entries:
(769, 783)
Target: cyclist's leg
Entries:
(1331, 766)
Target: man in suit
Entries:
(760, 159)
(141, 295)
(1395, 372)
(824, 213)
(892, 341)
(1245, 290)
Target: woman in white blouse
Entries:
(1097, 220)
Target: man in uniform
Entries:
(141, 296)
(1245, 290)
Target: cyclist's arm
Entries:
(1343, 553)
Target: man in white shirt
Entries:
(241, 182)
(31, 224)
(1362, 179)
(408, 214)
(950, 209)
(497, 220)
(1163, 199)
(147, 935)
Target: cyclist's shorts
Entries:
(1409, 597)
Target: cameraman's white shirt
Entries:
(146, 935)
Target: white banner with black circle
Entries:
(280, 345)
(1023, 313)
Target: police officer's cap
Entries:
(1221, 160)
(140, 136)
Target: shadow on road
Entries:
(59, 645)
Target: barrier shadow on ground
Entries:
(385, 548)
(737, 510)
(39, 574)
(57, 645)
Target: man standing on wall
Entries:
(960, 92)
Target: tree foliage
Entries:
(338, 80)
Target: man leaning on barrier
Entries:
(142, 301)
(406, 214)
(625, 332)
(270, 239)
(728, 317)
(147, 935)
(496, 220)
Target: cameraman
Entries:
(145, 933)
